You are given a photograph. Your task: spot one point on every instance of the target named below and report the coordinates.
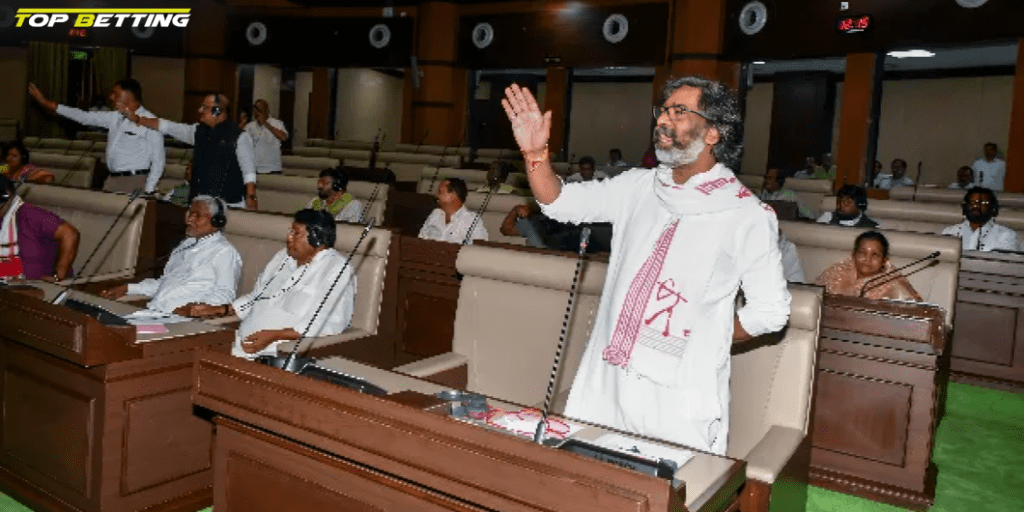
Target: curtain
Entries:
(109, 65)
(48, 69)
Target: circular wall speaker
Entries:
(256, 33)
(753, 16)
(970, 4)
(6, 16)
(380, 36)
(483, 35)
(615, 28)
(143, 32)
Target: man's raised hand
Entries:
(41, 98)
(531, 128)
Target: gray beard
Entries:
(676, 157)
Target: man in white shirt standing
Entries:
(979, 231)
(990, 170)
(687, 236)
(223, 164)
(204, 267)
(135, 154)
(267, 134)
(897, 177)
(285, 302)
(333, 198)
(450, 221)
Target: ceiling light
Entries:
(903, 54)
(758, 62)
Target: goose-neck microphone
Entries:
(872, 283)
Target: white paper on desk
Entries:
(528, 425)
(621, 443)
(151, 317)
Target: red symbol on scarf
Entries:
(665, 290)
(767, 207)
(744, 192)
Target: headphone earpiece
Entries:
(315, 236)
(216, 110)
(862, 203)
(220, 219)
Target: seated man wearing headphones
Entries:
(286, 301)
(978, 231)
(204, 267)
(851, 205)
(333, 198)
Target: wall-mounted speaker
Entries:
(615, 29)
(380, 36)
(256, 33)
(483, 35)
(970, 4)
(753, 17)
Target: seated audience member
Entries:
(991, 169)
(333, 198)
(773, 189)
(203, 268)
(810, 165)
(827, 170)
(546, 233)
(851, 205)
(289, 291)
(586, 172)
(876, 170)
(792, 267)
(497, 175)
(896, 178)
(979, 231)
(615, 158)
(17, 168)
(450, 221)
(870, 259)
(179, 194)
(34, 243)
(964, 178)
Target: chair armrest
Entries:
(324, 341)
(119, 276)
(766, 460)
(221, 320)
(132, 297)
(433, 365)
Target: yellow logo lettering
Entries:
(21, 18)
(85, 20)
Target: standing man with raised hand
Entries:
(267, 134)
(135, 154)
(687, 236)
(224, 163)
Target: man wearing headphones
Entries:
(979, 231)
(224, 163)
(34, 243)
(851, 203)
(290, 290)
(333, 198)
(773, 189)
(135, 155)
(204, 267)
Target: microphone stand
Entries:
(542, 425)
(374, 151)
(865, 287)
(476, 218)
(917, 182)
(290, 363)
(63, 294)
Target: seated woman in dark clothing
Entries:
(16, 167)
(869, 260)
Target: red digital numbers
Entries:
(864, 22)
(845, 24)
(853, 24)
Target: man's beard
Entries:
(678, 155)
(846, 216)
(324, 194)
(976, 217)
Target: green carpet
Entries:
(979, 451)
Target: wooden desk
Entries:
(98, 419)
(286, 442)
(881, 373)
(988, 329)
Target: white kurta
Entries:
(199, 270)
(455, 231)
(287, 296)
(887, 181)
(989, 237)
(266, 145)
(675, 384)
(990, 175)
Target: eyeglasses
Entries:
(203, 107)
(978, 203)
(675, 112)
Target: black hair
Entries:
(993, 144)
(857, 193)
(318, 221)
(904, 162)
(587, 160)
(458, 185)
(872, 235)
(780, 175)
(131, 85)
(722, 108)
(615, 151)
(339, 179)
(20, 146)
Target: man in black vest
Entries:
(224, 161)
(851, 208)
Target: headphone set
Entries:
(315, 233)
(860, 197)
(993, 203)
(216, 110)
(338, 181)
(219, 219)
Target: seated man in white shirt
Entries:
(205, 267)
(497, 175)
(979, 231)
(333, 197)
(285, 303)
(586, 172)
(267, 134)
(897, 177)
(451, 221)
(964, 178)
(615, 158)
(991, 170)
(851, 208)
